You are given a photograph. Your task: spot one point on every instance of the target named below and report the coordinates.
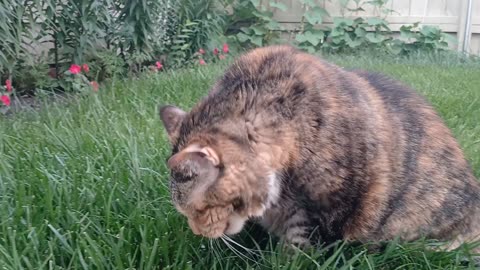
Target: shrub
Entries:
(115, 36)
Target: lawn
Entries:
(84, 185)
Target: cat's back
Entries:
(399, 158)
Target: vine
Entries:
(348, 32)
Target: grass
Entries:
(84, 185)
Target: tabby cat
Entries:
(315, 154)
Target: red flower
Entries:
(159, 65)
(94, 85)
(202, 62)
(5, 99)
(75, 69)
(85, 68)
(215, 51)
(221, 57)
(225, 48)
(201, 51)
(8, 85)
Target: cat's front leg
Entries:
(291, 225)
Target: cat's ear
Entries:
(172, 118)
(195, 153)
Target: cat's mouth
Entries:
(232, 225)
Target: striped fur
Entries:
(317, 154)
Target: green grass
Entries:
(84, 185)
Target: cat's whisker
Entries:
(226, 237)
(242, 256)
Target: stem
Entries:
(302, 22)
(55, 48)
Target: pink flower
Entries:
(221, 57)
(215, 51)
(75, 69)
(5, 100)
(8, 85)
(94, 85)
(225, 48)
(159, 65)
(202, 62)
(201, 51)
(85, 68)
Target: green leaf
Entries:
(354, 43)
(242, 37)
(273, 25)
(312, 38)
(246, 30)
(258, 30)
(257, 40)
(376, 21)
(316, 15)
(430, 30)
(266, 16)
(343, 22)
(374, 37)
(336, 32)
(360, 32)
(280, 6)
(256, 3)
(406, 32)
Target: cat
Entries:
(316, 154)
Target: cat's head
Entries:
(214, 182)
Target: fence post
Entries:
(464, 26)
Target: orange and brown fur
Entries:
(315, 154)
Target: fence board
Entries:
(448, 15)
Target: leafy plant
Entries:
(351, 34)
(414, 38)
(311, 37)
(252, 23)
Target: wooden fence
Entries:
(449, 15)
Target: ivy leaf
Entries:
(315, 15)
(337, 32)
(311, 49)
(406, 32)
(395, 47)
(280, 6)
(256, 3)
(343, 22)
(242, 37)
(258, 30)
(360, 32)
(246, 30)
(273, 25)
(429, 30)
(266, 16)
(257, 40)
(376, 21)
(312, 38)
(354, 43)
(300, 38)
(375, 38)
